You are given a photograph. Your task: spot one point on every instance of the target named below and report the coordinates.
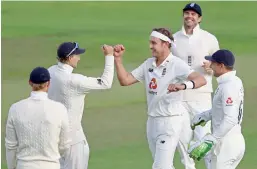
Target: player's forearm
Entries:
(122, 74)
(11, 158)
(197, 79)
(107, 76)
(208, 114)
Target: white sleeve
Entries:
(183, 70)
(11, 141)
(65, 139)
(232, 105)
(85, 84)
(138, 73)
(214, 45)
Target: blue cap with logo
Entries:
(67, 49)
(39, 75)
(222, 56)
(194, 7)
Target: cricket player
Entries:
(163, 76)
(37, 128)
(226, 143)
(70, 89)
(192, 44)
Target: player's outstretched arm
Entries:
(197, 79)
(125, 78)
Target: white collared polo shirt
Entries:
(192, 49)
(157, 79)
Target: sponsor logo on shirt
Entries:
(229, 101)
(150, 70)
(153, 84)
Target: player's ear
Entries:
(199, 19)
(30, 83)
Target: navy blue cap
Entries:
(222, 56)
(39, 75)
(194, 7)
(67, 49)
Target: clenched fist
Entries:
(118, 51)
(107, 50)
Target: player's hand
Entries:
(175, 87)
(206, 65)
(199, 119)
(201, 148)
(107, 50)
(118, 51)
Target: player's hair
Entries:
(37, 87)
(229, 68)
(165, 32)
(63, 60)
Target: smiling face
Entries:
(158, 47)
(191, 18)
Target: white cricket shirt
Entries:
(157, 79)
(192, 49)
(228, 102)
(71, 88)
(36, 133)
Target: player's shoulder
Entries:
(52, 68)
(177, 34)
(178, 60)
(208, 35)
(19, 104)
(57, 105)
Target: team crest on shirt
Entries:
(229, 101)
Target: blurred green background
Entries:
(115, 120)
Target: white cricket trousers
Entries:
(37, 165)
(193, 108)
(163, 135)
(76, 157)
(228, 153)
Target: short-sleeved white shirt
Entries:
(157, 79)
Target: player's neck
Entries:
(189, 30)
(161, 58)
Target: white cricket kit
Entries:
(192, 49)
(70, 89)
(226, 117)
(165, 111)
(37, 133)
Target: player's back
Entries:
(64, 88)
(38, 125)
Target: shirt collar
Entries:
(195, 30)
(226, 76)
(165, 62)
(38, 95)
(65, 67)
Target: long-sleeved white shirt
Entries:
(36, 133)
(157, 79)
(228, 102)
(192, 49)
(71, 88)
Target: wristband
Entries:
(189, 85)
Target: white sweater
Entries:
(70, 89)
(36, 133)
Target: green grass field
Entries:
(114, 120)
